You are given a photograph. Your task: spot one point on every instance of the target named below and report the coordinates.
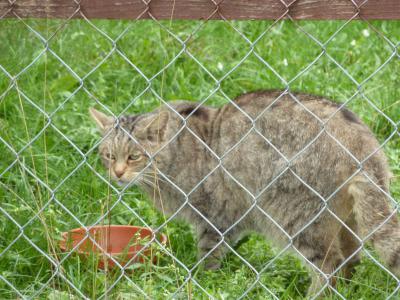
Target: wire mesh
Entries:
(56, 261)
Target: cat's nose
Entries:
(119, 173)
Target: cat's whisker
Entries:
(150, 183)
(168, 176)
(146, 182)
(154, 177)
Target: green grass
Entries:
(115, 83)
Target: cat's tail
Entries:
(374, 213)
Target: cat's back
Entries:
(289, 119)
(271, 130)
(257, 105)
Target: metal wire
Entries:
(57, 263)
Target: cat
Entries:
(292, 167)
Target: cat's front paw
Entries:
(212, 264)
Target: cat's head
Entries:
(126, 155)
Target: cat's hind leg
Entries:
(320, 247)
(211, 248)
(377, 220)
(350, 246)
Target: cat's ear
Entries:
(103, 121)
(154, 126)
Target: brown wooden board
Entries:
(202, 9)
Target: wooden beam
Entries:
(202, 9)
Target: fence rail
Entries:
(203, 9)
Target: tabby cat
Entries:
(291, 167)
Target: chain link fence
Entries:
(61, 276)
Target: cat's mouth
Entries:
(138, 180)
(124, 182)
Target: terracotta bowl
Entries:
(119, 241)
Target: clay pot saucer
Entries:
(119, 241)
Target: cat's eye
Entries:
(110, 156)
(134, 157)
